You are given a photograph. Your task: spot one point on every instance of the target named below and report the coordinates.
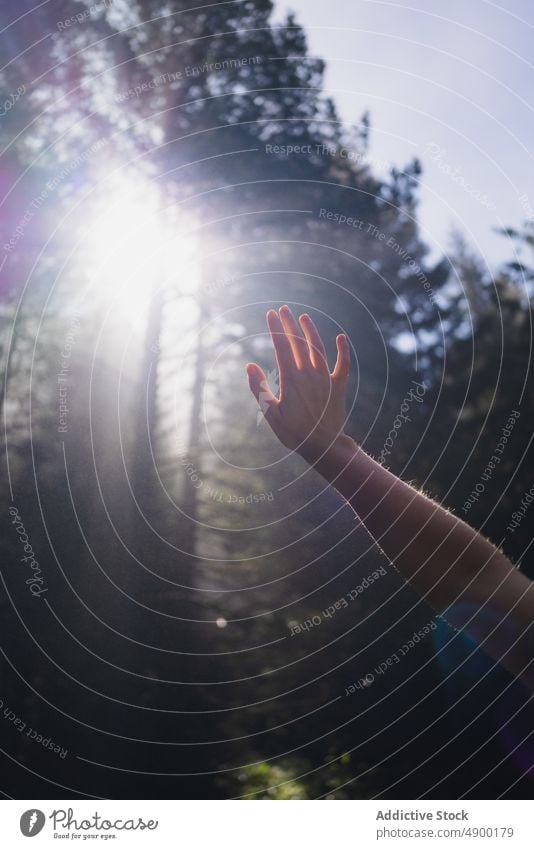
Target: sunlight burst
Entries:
(133, 246)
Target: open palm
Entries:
(309, 414)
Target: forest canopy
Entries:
(200, 602)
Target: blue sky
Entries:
(451, 82)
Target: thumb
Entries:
(342, 367)
(260, 388)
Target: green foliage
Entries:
(198, 585)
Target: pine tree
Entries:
(204, 104)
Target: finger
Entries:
(282, 347)
(342, 367)
(315, 344)
(259, 386)
(296, 337)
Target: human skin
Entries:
(462, 575)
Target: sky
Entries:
(449, 82)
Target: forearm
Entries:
(451, 565)
(432, 548)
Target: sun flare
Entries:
(133, 245)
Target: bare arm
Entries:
(457, 570)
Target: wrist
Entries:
(329, 457)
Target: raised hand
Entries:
(454, 568)
(309, 415)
